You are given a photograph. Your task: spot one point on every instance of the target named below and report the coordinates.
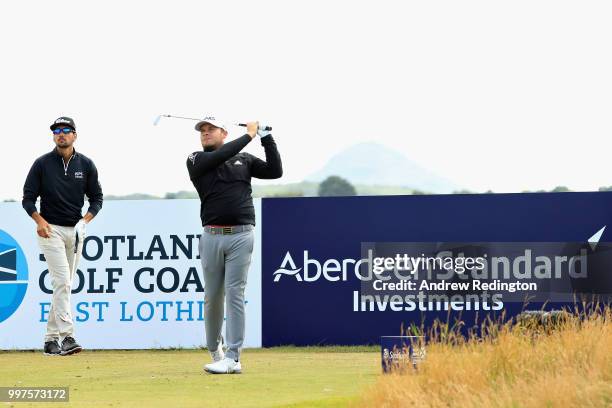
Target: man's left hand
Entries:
(263, 133)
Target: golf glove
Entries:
(263, 133)
(79, 230)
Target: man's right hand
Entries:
(252, 128)
(43, 229)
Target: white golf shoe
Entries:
(218, 354)
(225, 366)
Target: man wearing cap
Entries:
(61, 178)
(222, 177)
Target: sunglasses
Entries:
(65, 131)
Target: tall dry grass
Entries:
(565, 364)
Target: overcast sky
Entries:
(506, 96)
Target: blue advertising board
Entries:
(311, 248)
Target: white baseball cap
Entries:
(213, 121)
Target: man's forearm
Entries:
(29, 203)
(37, 217)
(273, 159)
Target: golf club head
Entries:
(157, 119)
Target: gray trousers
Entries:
(225, 261)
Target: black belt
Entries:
(233, 229)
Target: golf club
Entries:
(158, 118)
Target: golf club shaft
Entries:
(179, 117)
(262, 127)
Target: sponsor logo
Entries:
(237, 163)
(533, 261)
(284, 270)
(78, 175)
(396, 354)
(332, 270)
(13, 276)
(395, 357)
(192, 158)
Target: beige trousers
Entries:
(62, 260)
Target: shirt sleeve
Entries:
(94, 190)
(272, 168)
(31, 188)
(199, 163)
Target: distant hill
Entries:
(375, 164)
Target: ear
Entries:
(224, 132)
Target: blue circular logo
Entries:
(13, 276)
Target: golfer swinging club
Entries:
(222, 177)
(61, 178)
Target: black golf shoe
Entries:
(51, 348)
(70, 346)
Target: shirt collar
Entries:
(54, 151)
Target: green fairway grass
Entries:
(287, 376)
